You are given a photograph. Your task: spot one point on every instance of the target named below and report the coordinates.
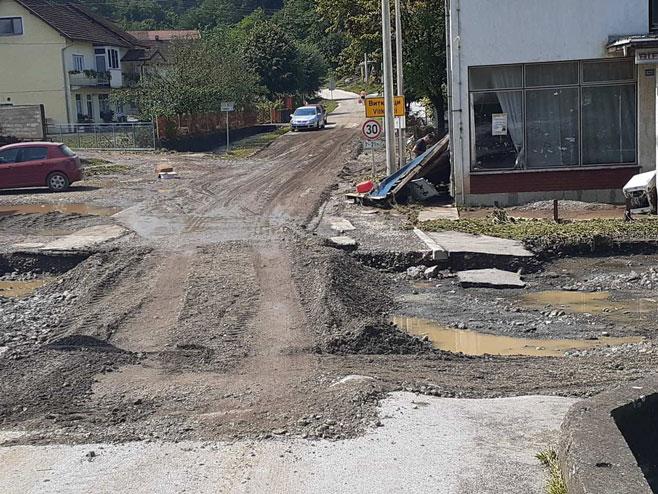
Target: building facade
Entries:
(546, 100)
(64, 57)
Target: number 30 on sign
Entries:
(372, 129)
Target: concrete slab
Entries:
(29, 245)
(341, 224)
(606, 438)
(489, 278)
(438, 252)
(426, 444)
(343, 242)
(438, 213)
(458, 242)
(87, 237)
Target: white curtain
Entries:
(513, 106)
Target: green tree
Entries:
(201, 74)
(312, 68)
(272, 54)
(424, 42)
(424, 53)
(300, 19)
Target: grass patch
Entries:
(529, 229)
(357, 87)
(250, 145)
(94, 167)
(330, 105)
(556, 483)
(94, 162)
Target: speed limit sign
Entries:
(372, 130)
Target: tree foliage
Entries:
(272, 54)
(423, 40)
(424, 52)
(199, 76)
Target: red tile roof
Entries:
(166, 35)
(79, 23)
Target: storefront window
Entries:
(552, 127)
(609, 123)
(502, 77)
(551, 74)
(500, 147)
(562, 114)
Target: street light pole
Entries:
(400, 82)
(389, 123)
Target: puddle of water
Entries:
(474, 343)
(17, 289)
(81, 208)
(589, 302)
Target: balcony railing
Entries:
(89, 78)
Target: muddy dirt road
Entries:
(222, 316)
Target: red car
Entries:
(39, 164)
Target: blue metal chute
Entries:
(395, 182)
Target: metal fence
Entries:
(111, 136)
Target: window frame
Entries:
(12, 18)
(17, 152)
(525, 169)
(112, 54)
(78, 58)
(653, 17)
(22, 151)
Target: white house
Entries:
(550, 99)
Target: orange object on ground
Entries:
(365, 187)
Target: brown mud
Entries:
(227, 318)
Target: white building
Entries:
(550, 99)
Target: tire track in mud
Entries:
(151, 327)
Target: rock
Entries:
(279, 432)
(353, 378)
(343, 242)
(432, 272)
(632, 277)
(416, 272)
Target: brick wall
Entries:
(24, 122)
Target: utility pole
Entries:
(400, 80)
(389, 122)
(365, 67)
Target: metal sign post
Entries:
(228, 107)
(332, 86)
(372, 131)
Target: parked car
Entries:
(309, 117)
(39, 164)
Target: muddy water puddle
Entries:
(590, 303)
(21, 288)
(80, 208)
(474, 343)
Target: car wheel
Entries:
(57, 182)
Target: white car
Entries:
(309, 117)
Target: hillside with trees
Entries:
(285, 46)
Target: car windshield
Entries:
(305, 112)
